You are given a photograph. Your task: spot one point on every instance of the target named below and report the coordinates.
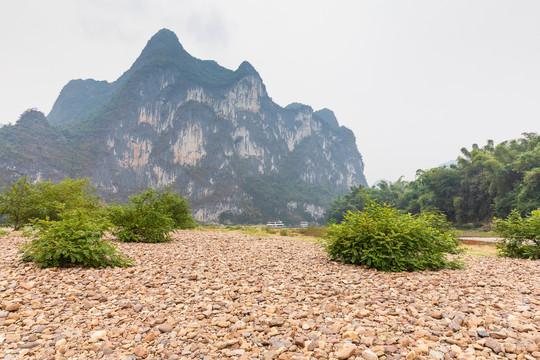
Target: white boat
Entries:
(276, 224)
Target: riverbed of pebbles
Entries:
(212, 295)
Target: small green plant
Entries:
(75, 239)
(521, 235)
(283, 232)
(3, 232)
(150, 216)
(383, 238)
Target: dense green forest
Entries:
(485, 182)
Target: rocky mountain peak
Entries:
(247, 69)
(327, 116)
(164, 46)
(295, 106)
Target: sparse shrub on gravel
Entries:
(18, 203)
(521, 235)
(3, 232)
(178, 209)
(283, 232)
(75, 239)
(26, 200)
(150, 216)
(66, 195)
(383, 238)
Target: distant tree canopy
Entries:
(486, 182)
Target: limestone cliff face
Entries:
(174, 120)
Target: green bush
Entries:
(75, 239)
(150, 216)
(521, 235)
(69, 194)
(178, 209)
(3, 232)
(283, 232)
(383, 238)
(19, 203)
(26, 200)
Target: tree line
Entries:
(486, 182)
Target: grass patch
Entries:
(317, 232)
(476, 233)
(480, 250)
(311, 233)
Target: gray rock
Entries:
(29, 345)
(482, 333)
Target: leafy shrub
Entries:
(75, 239)
(178, 209)
(283, 232)
(3, 232)
(19, 202)
(25, 200)
(383, 238)
(150, 216)
(69, 194)
(521, 235)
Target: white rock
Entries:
(369, 355)
(98, 335)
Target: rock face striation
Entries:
(215, 134)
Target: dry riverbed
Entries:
(216, 295)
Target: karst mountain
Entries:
(174, 120)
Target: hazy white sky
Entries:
(415, 80)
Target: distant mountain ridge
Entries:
(215, 134)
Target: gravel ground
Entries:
(209, 295)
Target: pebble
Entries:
(11, 306)
(482, 333)
(277, 321)
(493, 345)
(165, 328)
(369, 355)
(264, 298)
(345, 351)
(498, 335)
(29, 345)
(98, 335)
